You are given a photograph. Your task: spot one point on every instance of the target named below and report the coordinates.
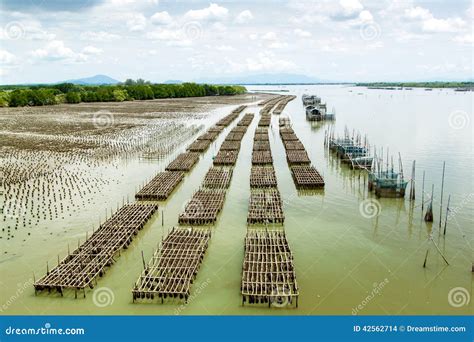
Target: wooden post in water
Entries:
(426, 257)
(423, 193)
(429, 210)
(441, 200)
(447, 213)
(143, 260)
(412, 188)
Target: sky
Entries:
(159, 40)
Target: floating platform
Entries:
(216, 128)
(199, 145)
(208, 136)
(261, 137)
(265, 207)
(246, 120)
(265, 120)
(261, 145)
(161, 186)
(262, 157)
(80, 268)
(286, 130)
(284, 122)
(217, 178)
(230, 146)
(174, 266)
(306, 177)
(263, 177)
(239, 129)
(203, 207)
(297, 157)
(235, 136)
(293, 145)
(183, 162)
(289, 137)
(268, 272)
(226, 157)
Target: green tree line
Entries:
(43, 95)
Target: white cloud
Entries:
(55, 50)
(244, 17)
(467, 39)
(266, 61)
(347, 9)
(99, 36)
(7, 58)
(161, 18)
(225, 48)
(302, 33)
(213, 12)
(428, 23)
(136, 22)
(270, 36)
(91, 50)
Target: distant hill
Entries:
(94, 80)
(264, 79)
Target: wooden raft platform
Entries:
(288, 136)
(183, 162)
(261, 145)
(230, 146)
(234, 136)
(307, 177)
(208, 136)
(174, 266)
(81, 267)
(265, 120)
(217, 178)
(226, 158)
(293, 145)
(262, 157)
(261, 137)
(239, 129)
(203, 207)
(268, 272)
(199, 145)
(263, 177)
(286, 130)
(161, 186)
(246, 120)
(265, 207)
(297, 157)
(216, 129)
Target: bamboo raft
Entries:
(230, 146)
(203, 207)
(293, 145)
(262, 157)
(80, 268)
(289, 137)
(199, 145)
(234, 136)
(268, 272)
(265, 120)
(161, 186)
(239, 129)
(265, 207)
(286, 130)
(282, 104)
(261, 137)
(297, 157)
(261, 145)
(174, 266)
(183, 162)
(227, 120)
(239, 109)
(263, 177)
(226, 158)
(246, 120)
(208, 136)
(216, 128)
(284, 122)
(217, 178)
(306, 177)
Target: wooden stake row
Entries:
(217, 178)
(174, 266)
(265, 206)
(81, 267)
(161, 186)
(183, 162)
(263, 177)
(306, 177)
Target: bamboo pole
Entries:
(447, 213)
(441, 200)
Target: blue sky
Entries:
(158, 40)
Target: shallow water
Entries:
(345, 263)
